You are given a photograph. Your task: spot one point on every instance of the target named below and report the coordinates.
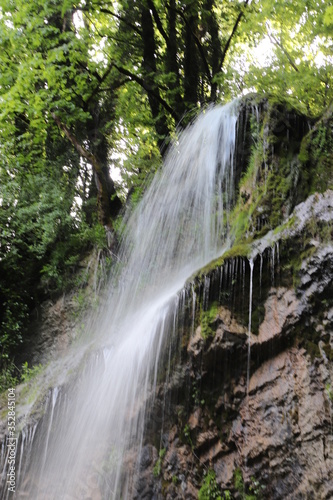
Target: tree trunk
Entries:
(215, 46)
(171, 63)
(108, 202)
(149, 71)
(191, 62)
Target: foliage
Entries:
(197, 399)
(158, 465)
(8, 377)
(255, 488)
(238, 481)
(210, 489)
(299, 66)
(41, 245)
(29, 373)
(186, 435)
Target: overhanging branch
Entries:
(130, 25)
(227, 45)
(275, 41)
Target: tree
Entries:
(53, 81)
(179, 55)
(301, 63)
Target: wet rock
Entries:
(196, 343)
(229, 323)
(194, 419)
(316, 272)
(282, 309)
(317, 207)
(148, 456)
(206, 440)
(225, 467)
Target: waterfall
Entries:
(179, 226)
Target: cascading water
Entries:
(179, 226)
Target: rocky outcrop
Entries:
(255, 407)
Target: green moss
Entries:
(240, 220)
(206, 320)
(291, 222)
(252, 172)
(303, 156)
(283, 169)
(214, 264)
(174, 480)
(241, 249)
(329, 391)
(158, 465)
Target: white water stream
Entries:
(179, 226)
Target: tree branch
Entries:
(111, 13)
(157, 19)
(148, 89)
(79, 148)
(104, 184)
(115, 86)
(92, 73)
(130, 25)
(227, 45)
(100, 81)
(274, 40)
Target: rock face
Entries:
(255, 407)
(53, 330)
(293, 440)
